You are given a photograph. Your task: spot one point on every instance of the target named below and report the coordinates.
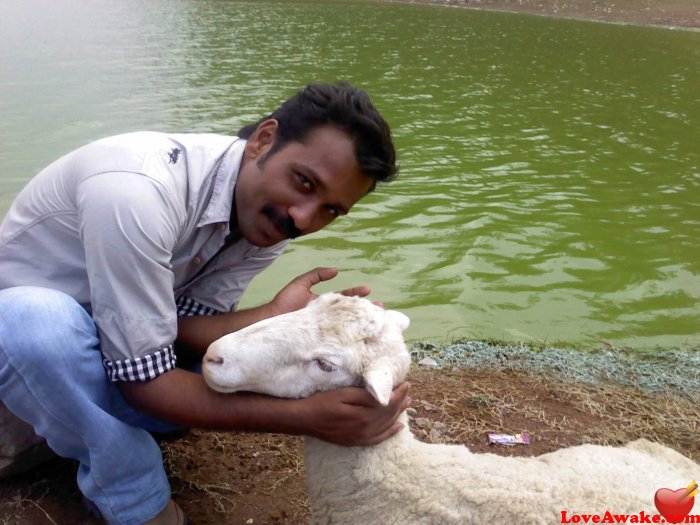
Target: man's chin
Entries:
(261, 239)
(261, 242)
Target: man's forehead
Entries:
(327, 155)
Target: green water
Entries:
(550, 175)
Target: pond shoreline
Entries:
(661, 371)
(677, 14)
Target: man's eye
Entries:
(304, 180)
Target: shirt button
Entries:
(196, 260)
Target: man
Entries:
(133, 252)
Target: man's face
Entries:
(300, 188)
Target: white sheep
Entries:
(341, 341)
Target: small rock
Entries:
(422, 422)
(440, 427)
(429, 407)
(427, 361)
(435, 436)
(411, 412)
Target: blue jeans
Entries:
(51, 376)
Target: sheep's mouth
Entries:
(224, 387)
(231, 389)
(240, 388)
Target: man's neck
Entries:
(234, 233)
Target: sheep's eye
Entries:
(325, 365)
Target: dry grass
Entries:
(555, 412)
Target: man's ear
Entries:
(262, 139)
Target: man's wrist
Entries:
(270, 310)
(275, 415)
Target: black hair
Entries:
(345, 107)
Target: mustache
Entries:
(282, 221)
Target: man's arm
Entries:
(197, 332)
(347, 416)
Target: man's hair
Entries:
(348, 109)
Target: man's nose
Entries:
(303, 216)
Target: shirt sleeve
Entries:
(187, 307)
(128, 225)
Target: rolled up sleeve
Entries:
(129, 224)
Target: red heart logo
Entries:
(674, 505)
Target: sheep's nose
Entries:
(214, 360)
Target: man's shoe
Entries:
(172, 514)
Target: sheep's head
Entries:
(335, 341)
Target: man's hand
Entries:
(297, 294)
(352, 417)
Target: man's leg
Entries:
(51, 376)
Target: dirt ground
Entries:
(665, 13)
(238, 478)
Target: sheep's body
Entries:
(403, 480)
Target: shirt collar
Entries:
(221, 200)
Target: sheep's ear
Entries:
(396, 317)
(379, 381)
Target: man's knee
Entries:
(36, 298)
(34, 319)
